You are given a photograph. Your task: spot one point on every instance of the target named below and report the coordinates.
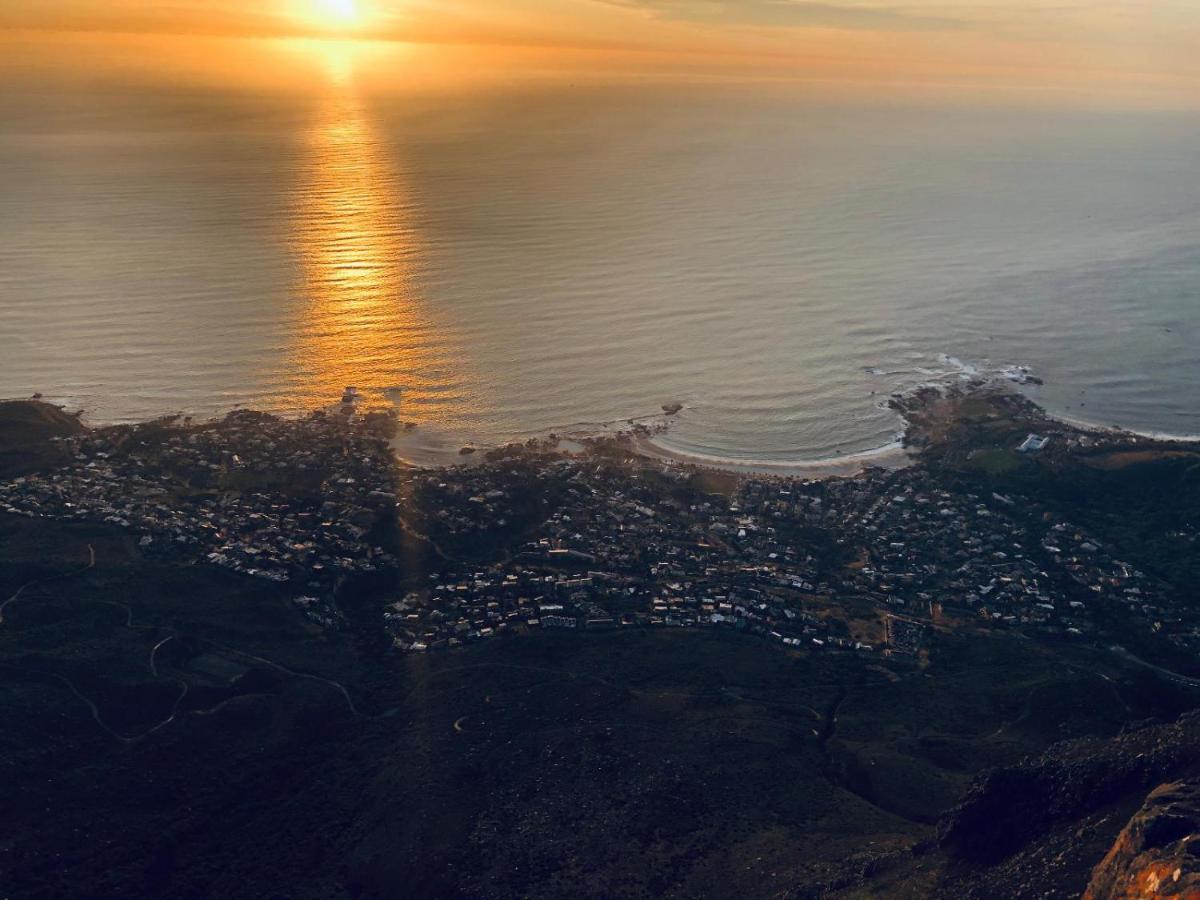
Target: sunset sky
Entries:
(1133, 46)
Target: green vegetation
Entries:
(997, 462)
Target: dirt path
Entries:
(337, 686)
(154, 653)
(94, 710)
(39, 581)
(829, 728)
(1184, 680)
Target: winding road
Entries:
(39, 581)
(23, 593)
(1184, 680)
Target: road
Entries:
(1165, 673)
(37, 581)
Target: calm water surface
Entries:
(512, 261)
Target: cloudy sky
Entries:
(1105, 44)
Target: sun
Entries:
(338, 12)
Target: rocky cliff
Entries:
(1158, 852)
(1012, 806)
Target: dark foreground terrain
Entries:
(174, 724)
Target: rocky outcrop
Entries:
(1008, 807)
(27, 431)
(32, 421)
(1158, 853)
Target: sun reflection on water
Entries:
(362, 322)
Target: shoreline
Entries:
(420, 446)
(1094, 428)
(413, 448)
(890, 456)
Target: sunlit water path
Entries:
(513, 261)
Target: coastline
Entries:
(1095, 428)
(425, 448)
(420, 446)
(889, 456)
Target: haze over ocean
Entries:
(535, 254)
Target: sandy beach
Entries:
(891, 456)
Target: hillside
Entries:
(255, 658)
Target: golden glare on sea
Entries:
(360, 321)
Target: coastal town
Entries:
(531, 538)
(783, 560)
(290, 502)
(580, 636)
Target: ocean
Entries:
(533, 257)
